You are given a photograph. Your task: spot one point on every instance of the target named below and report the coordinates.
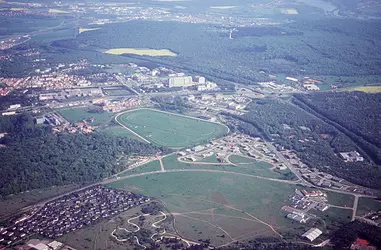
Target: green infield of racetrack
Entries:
(169, 129)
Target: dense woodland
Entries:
(32, 157)
(170, 103)
(347, 234)
(357, 112)
(327, 47)
(316, 142)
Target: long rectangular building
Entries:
(180, 81)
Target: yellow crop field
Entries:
(141, 52)
(289, 11)
(223, 7)
(58, 11)
(366, 89)
(17, 9)
(81, 30)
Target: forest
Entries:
(347, 234)
(327, 47)
(316, 142)
(32, 157)
(356, 111)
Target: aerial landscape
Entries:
(190, 124)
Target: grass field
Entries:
(256, 168)
(149, 167)
(81, 30)
(79, 114)
(170, 130)
(220, 199)
(338, 199)
(141, 52)
(211, 158)
(240, 159)
(119, 131)
(97, 236)
(12, 203)
(367, 205)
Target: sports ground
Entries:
(169, 129)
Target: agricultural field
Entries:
(79, 114)
(168, 129)
(366, 89)
(223, 7)
(141, 52)
(205, 203)
(57, 11)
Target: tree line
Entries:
(33, 157)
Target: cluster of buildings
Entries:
(51, 119)
(9, 43)
(319, 178)
(82, 127)
(4, 91)
(307, 83)
(361, 244)
(302, 202)
(219, 102)
(47, 81)
(71, 212)
(145, 80)
(181, 81)
(37, 244)
(71, 93)
(272, 86)
(352, 156)
(237, 144)
(119, 105)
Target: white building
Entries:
(191, 98)
(55, 245)
(15, 106)
(281, 167)
(352, 156)
(312, 234)
(180, 81)
(199, 79)
(311, 87)
(207, 86)
(198, 148)
(292, 79)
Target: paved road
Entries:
(355, 205)
(197, 170)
